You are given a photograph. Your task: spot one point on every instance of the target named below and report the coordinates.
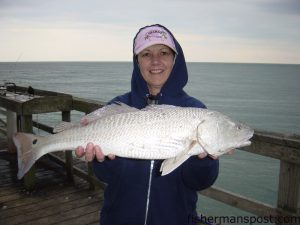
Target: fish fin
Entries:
(88, 119)
(196, 149)
(202, 140)
(109, 110)
(63, 126)
(171, 164)
(26, 153)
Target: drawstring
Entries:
(149, 191)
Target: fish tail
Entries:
(27, 153)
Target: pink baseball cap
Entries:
(153, 35)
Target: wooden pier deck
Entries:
(53, 201)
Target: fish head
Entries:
(217, 134)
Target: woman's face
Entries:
(156, 63)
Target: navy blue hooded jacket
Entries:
(136, 193)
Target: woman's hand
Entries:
(90, 152)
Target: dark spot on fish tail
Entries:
(34, 141)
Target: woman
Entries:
(136, 194)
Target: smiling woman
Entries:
(156, 51)
(159, 76)
(156, 63)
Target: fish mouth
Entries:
(246, 141)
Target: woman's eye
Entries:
(166, 53)
(146, 54)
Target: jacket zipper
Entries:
(148, 194)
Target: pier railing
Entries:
(279, 146)
(286, 149)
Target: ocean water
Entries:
(265, 96)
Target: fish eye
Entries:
(238, 127)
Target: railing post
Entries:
(11, 119)
(26, 126)
(289, 187)
(66, 116)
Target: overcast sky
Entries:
(263, 31)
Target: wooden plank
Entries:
(274, 151)
(49, 206)
(2, 122)
(43, 127)
(20, 89)
(289, 187)
(3, 112)
(26, 126)
(93, 223)
(244, 203)
(23, 200)
(289, 140)
(3, 144)
(14, 106)
(277, 147)
(11, 130)
(86, 105)
(238, 201)
(35, 211)
(87, 218)
(47, 104)
(9, 190)
(62, 211)
(27, 202)
(50, 193)
(79, 172)
(17, 196)
(66, 116)
(3, 130)
(45, 101)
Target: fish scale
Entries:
(156, 132)
(119, 132)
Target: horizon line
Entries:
(121, 61)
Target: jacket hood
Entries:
(172, 89)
